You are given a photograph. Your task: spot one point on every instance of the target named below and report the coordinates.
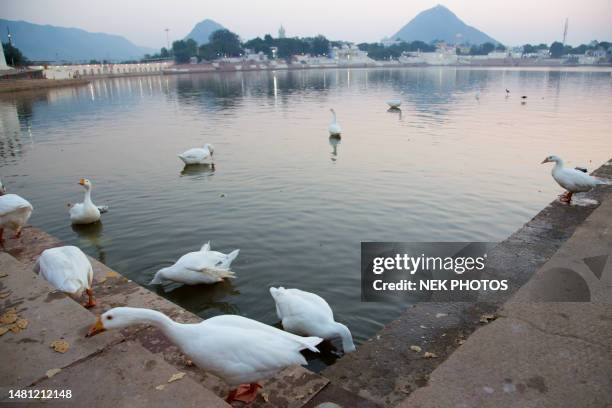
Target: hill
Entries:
(203, 30)
(50, 43)
(439, 23)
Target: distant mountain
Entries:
(203, 30)
(439, 23)
(49, 43)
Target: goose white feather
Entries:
(15, 212)
(86, 212)
(198, 155)
(306, 313)
(572, 180)
(203, 266)
(236, 349)
(67, 269)
(394, 103)
(334, 127)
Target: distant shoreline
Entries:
(25, 85)
(32, 85)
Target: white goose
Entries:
(14, 212)
(68, 269)
(305, 313)
(203, 266)
(86, 212)
(198, 155)
(236, 349)
(573, 180)
(394, 103)
(334, 128)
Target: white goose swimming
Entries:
(203, 266)
(15, 212)
(307, 314)
(573, 180)
(394, 103)
(86, 212)
(198, 155)
(236, 349)
(334, 128)
(68, 269)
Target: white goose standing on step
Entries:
(307, 314)
(573, 180)
(15, 212)
(236, 349)
(67, 269)
(334, 128)
(194, 268)
(86, 212)
(198, 155)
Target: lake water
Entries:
(448, 168)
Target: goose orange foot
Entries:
(244, 393)
(91, 302)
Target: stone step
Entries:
(104, 371)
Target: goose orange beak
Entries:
(82, 182)
(98, 327)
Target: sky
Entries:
(512, 22)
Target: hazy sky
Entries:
(512, 22)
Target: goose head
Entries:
(116, 318)
(552, 159)
(85, 183)
(210, 148)
(2, 189)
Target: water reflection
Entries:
(396, 111)
(198, 171)
(202, 298)
(91, 236)
(334, 142)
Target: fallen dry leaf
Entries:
(160, 387)
(486, 318)
(60, 346)
(9, 317)
(3, 274)
(176, 377)
(430, 355)
(416, 349)
(112, 275)
(3, 330)
(460, 341)
(22, 323)
(53, 371)
(5, 294)
(14, 328)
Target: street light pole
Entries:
(167, 39)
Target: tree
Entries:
(226, 42)
(556, 49)
(184, 49)
(319, 45)
(13, 56)
(528, 49)
(487, 48)
(500, 47)
(164, 53)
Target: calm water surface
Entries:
(449, 167)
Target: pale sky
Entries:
(513, 22)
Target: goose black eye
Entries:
(109, 317)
